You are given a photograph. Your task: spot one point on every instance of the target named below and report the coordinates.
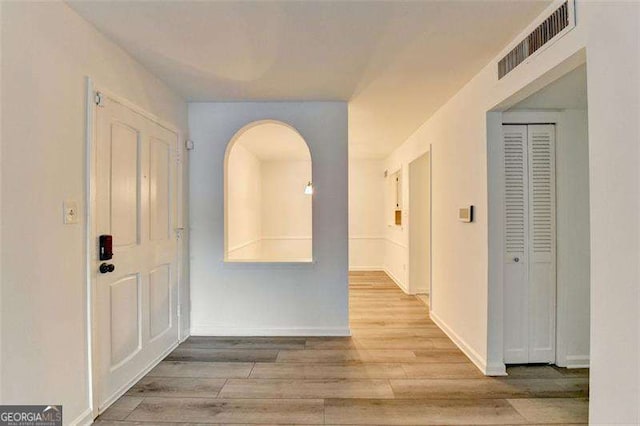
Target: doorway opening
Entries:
(420, 227)
(542, 198)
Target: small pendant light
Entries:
(308, 190)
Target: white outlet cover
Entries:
(71, 212)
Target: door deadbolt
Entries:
(106, 268)
(516, 259)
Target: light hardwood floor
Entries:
(399, 368)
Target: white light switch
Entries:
(71, 213)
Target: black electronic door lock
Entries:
(106, 268)
(106, 247)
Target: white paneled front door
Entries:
(135, 202)
(530, 244)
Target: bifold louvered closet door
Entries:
(530, 243)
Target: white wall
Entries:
(613, 75)
(286, 210)
(366, 215)
(244, 174)
(47, 50)
(462, 267)
(254, 299)
(573, 245)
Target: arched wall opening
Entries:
(268, 195)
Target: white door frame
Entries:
(430, 306)
(90, 222)
(555, 118)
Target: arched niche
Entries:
(268, 195)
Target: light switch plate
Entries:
(71, 213)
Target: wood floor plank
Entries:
(347, 355)
(222, 355)
(386, 302)
(307, 388)
(328, 371)
(445, 370)
(545, 372)
(409, 343)
(211, 370)
(177, 387)
(552, 410)
(245, 342)
(441, 355)
(493, 388)
(421, 412)
(120, 409)
(390, 323)
(572, 372)
(416, 311)
(277, 411)
(385, 333)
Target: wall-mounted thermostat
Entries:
(465, 214)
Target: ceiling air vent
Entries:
(558, 21)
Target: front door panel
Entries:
(136, 302)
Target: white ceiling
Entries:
(274, 142)
(567, 92)
(395, 61)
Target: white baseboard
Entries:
(86, 418)
(475, 357)
(577, 361)
(284, 238)
(212, 330)
(243, 245)
(397, 281)
(366, 268)
(499, 369)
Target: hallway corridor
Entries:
(398, 368)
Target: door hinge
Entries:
(178, 155)
(179, 232)
(99, 99)
(188, 144)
